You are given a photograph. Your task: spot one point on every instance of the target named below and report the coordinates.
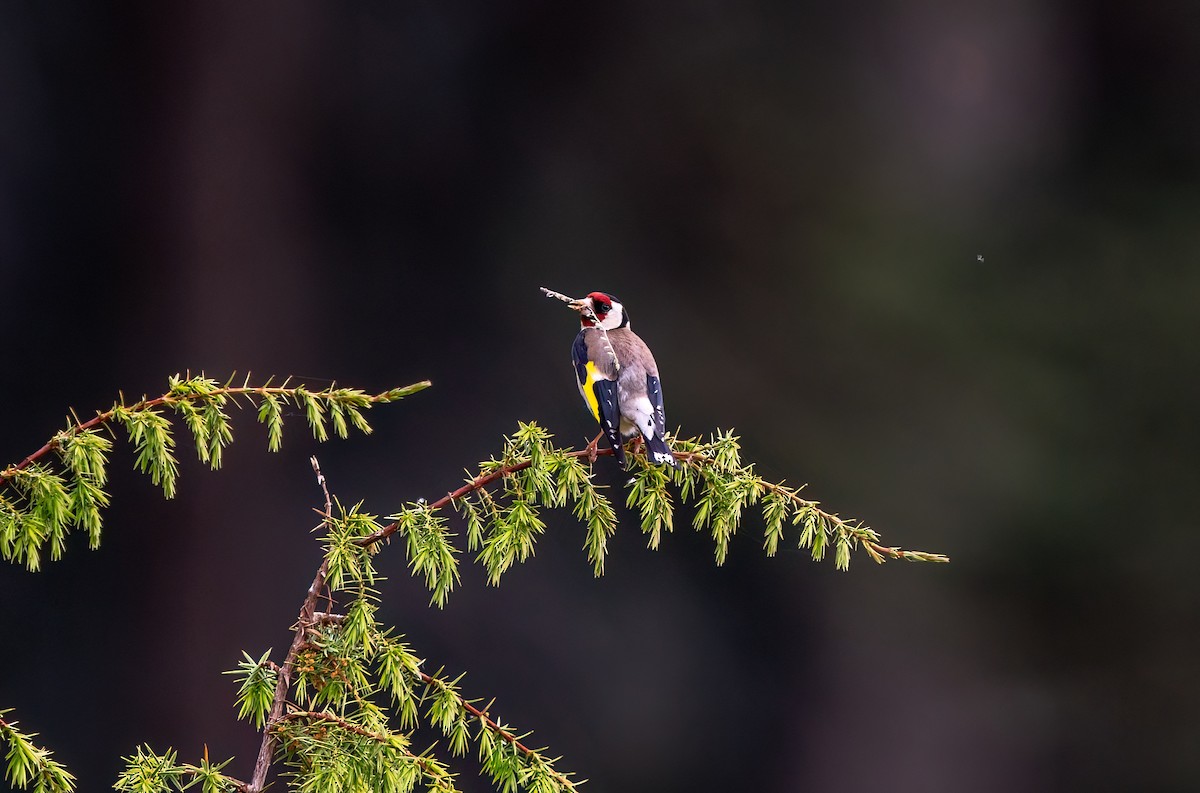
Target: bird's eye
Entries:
(604, 308)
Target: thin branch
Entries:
(433, 681)
(864, 535)
(492, 725)
(351, 727)
(348, 726)
(6, 475)
(316, 466)
(471, 487)
(861, 533)
(266, 748)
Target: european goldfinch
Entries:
(618, 377)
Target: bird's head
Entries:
(605, 308)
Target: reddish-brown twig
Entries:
(106, 416)
(470, 487)
(351, 727)
(266, 748)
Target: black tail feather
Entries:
(619, 452)
(657, 451)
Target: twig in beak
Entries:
(559, 295)
(577, 303)
(584, 308)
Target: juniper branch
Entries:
(847, 530)
(177, 396)
(41, 499)
(147, 770)
(717, 459)
(394, 742)
(497, 728)
(391, 744)
(321, 654)
(29, 764)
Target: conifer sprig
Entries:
(28, 766)
(714, 471)
(340, 669)
(45, 496)
(331, 753)
(149, 772)
(256, 691)
(319, 712)
(503, 503)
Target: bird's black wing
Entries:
(655, 395)
(657, 448)
(599, 394)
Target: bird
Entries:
(618, 378)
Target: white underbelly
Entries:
(637, 416)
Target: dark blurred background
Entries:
(941, 260)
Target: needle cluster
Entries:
(358, 692)
(149, 772)
(60, 487)
(502, 508)
(29, 765)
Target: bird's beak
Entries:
(578, 305)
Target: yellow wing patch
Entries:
(589, 394)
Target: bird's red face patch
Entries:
(601, 304)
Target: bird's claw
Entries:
(593, 448)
